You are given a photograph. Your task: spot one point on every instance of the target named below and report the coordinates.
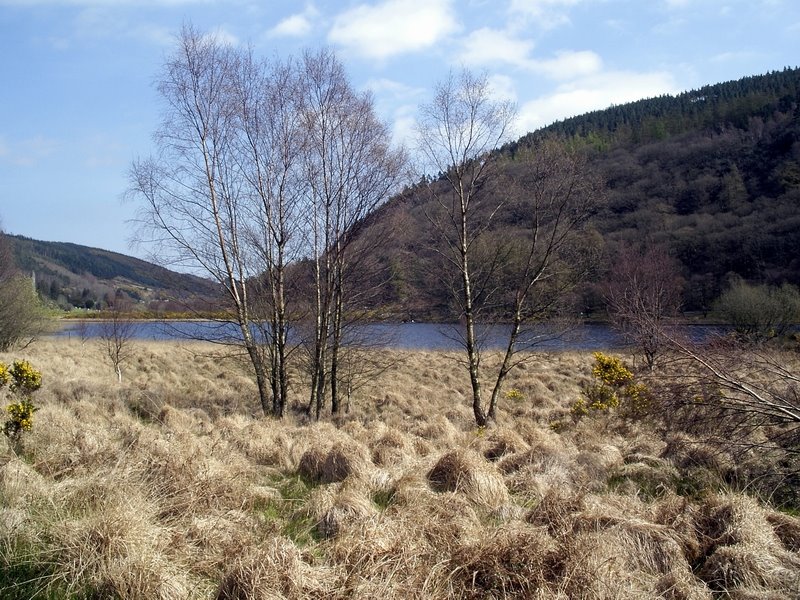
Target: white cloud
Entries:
(102, 3)
(297, 25)
(393, 27)
(502, 87)
(394, 89)
(593, 93)
(731, 57)
(28, 152)
(569, 64)
(487, 46)
(223, 36)
(396, 102)
(404, 126)
(294, 26)
(546, 14)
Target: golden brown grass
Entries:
(171, 485)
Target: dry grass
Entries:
(171, 485)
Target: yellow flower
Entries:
(26, 378)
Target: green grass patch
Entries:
(25, 575)
(383, 498)
(285, 511)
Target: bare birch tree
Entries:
(457, 134)
(117, 331)
(351, 169)
(643, 295)
(262, 165)
(518, 280)
(193, 191)
(271, 146)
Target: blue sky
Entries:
(77, 102)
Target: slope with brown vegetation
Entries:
(170, 486)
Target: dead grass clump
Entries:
(743, 549)
(20, 484)
(687, 453)
(543, 449)
(634, 559)
(439, 431)
(262, 443)
(392, 448)
(443, 520)
(660, 550)
(516, 560)
(651, 479)
(185, 473)
(185, 420)
(787, 528)
(557, 511)
(342, 460)
(607, 510)
(465, 471)
(310, 465)
(349, 506)
(680, 517)
(345, 460)
(383, 559)
(119, 552)
(210, 539)
(544, 467)
(748, 568)
(276, 569)
(729, 519)
(595, 463)
(501, 442)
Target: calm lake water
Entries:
(406, 336)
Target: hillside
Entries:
(74, 275)
(713, 174)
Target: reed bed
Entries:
(172, 485)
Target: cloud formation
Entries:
(545, 14)
(393, 27)
(28, 152)
(297, 25)
(595, 92)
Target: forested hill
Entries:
(722, 105)
(75, 275)
(713, 174)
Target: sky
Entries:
(78, 103)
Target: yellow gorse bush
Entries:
(20, 417)
(24, 380)
(614, 387)
(514, 394)
(610, 370)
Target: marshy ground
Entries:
(171, 485)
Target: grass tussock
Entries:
(171, 485)
(466, 472)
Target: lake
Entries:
(405, 336)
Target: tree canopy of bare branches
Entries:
(261, 165)
(643, 294)
(518, 278)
